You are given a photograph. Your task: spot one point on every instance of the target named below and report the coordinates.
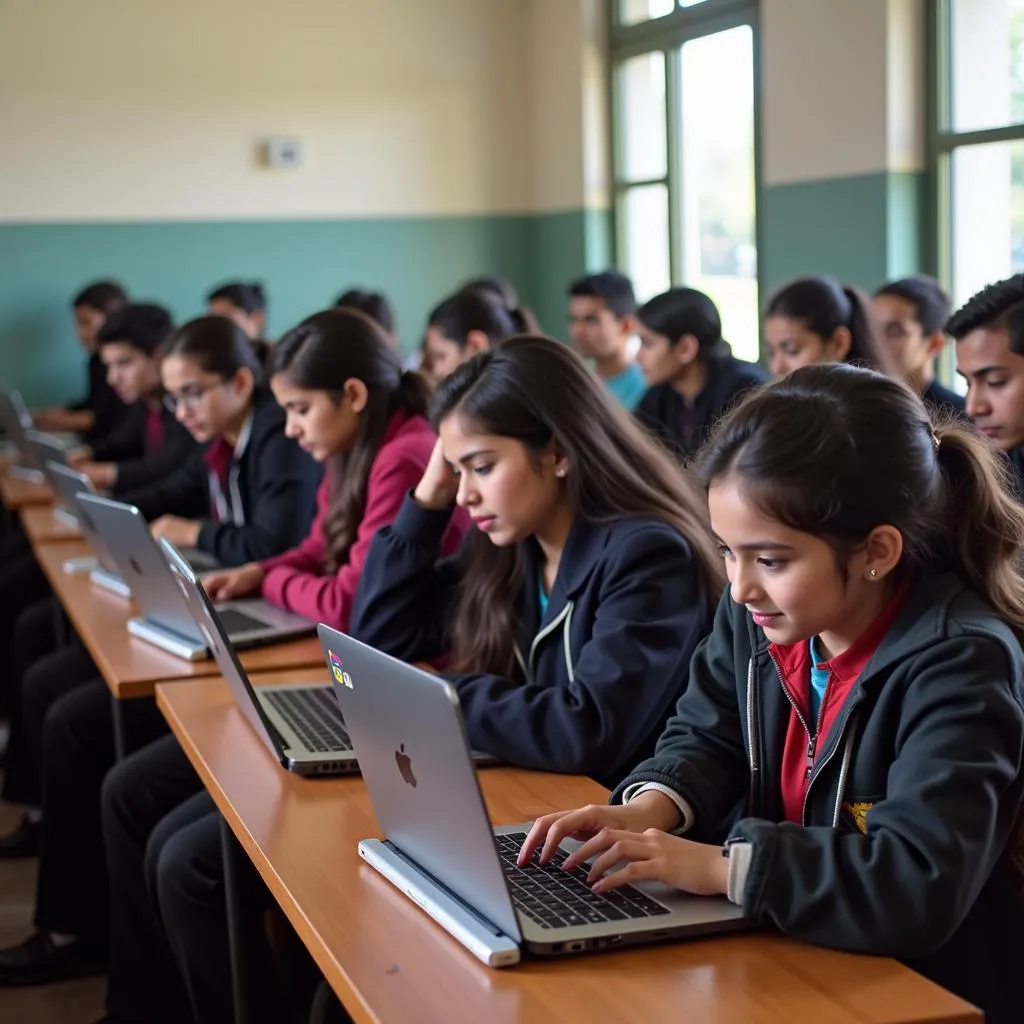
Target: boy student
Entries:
(150, 443)
(911, 314)
(601, 322)
(989, 335)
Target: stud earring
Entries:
(873, 573)
(560, 471)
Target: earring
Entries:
(873, 573)
(560, 471)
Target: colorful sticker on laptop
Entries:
(338, 669)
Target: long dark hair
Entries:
(682, 311)
(503, 291)
(248, 296)
(537, 391)
(823, 305)
(835, 450)
(218, 345)
(469, 311)
(321, 354)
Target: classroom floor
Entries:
(74, 1002)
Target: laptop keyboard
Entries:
(554, 898)
(314, 718)
(235, 622)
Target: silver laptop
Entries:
(15, 420)
(166, 619)
(442, 851)
(46, 450)
(300, 725)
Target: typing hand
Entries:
(79, 457)
(225, 584)
(439, 485)
(182, 533)
(102, 475)
(649, 810)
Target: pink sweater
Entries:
(295, 580)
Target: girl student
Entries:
(859, 698)
(572, 610)
(350, 405)
(461, 326)
(503, 291)
(819, 320)
(692, 376)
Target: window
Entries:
(980, 141)
(685, 156)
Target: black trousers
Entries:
(47, 672)
(163, 844)
(22, 583)
(72, 890)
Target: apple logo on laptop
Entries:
(135, 567)
(404, 762)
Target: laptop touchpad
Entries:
(235, 622)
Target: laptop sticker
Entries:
(339, 670)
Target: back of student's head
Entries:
(460, 314)
(836, 451)
(685, 311)
(540, 393)
(216, 345)
(612, 286)
(825, 307)
(931, 303)
(103, 296)
(374, 304)
(324, 353)
(142, 325)
(503, 292)
(247, 296)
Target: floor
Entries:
(74, 1002)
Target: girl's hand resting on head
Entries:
(182, 533)
(439, 485)
(225, 584)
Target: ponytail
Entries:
(987, 525)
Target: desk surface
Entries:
(17, 494)
(130, 666)
(41, 526)
(388, 962)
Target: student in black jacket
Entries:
(691, 374)
(573, 607)
(853, 730)
(911, 315)
(150, 443)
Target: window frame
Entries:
(667, 34)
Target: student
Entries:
(100, 411)
(989, 335)
(248, 493)
(601, 311)
(875, 593)
(150, 443)
(375, 305)
(245, 303)
(911, 314)
(503, 291)
(819, 320)
(463, 325)
(350, 404)
(690, 372)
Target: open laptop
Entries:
(46, 450)
(166, 619)
(300, 725)
(16, 420)
(442, 851)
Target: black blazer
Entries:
(101, 400)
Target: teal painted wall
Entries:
(304, 264)
(863, 229)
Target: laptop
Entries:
(166, 620)
(442, 851)
(45, 450)
(15, 420)
(300, 725)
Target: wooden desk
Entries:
(388, 962)
(16, 494)
(42, 526)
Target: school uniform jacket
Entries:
(140, 461)
(269, 501)
(600, 670)
(911, 800)
(296, 580)
(101, 400)
(663, 409)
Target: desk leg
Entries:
(230, 853)
(118, 713)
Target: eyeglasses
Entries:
(190, 397)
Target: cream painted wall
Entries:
(131, 109)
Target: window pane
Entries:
(719, 244)
(633, 11)
(642, 118)
(643, 232)
(988, 63)
(988, 232)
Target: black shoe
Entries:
(22, 842)
(39, 961)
